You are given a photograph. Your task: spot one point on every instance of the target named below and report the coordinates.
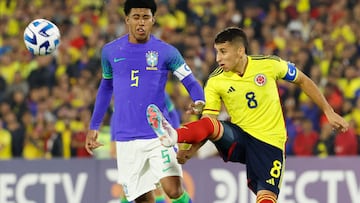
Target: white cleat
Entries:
(166, 133)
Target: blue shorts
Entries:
(264, 162)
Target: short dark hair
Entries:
(129, 4)
(232, 34)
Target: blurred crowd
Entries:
(46, 101)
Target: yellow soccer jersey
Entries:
(252, 100)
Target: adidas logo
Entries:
(231, 89)
(271, 181)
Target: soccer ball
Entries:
(41, 37)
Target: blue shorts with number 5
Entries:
(264, 162)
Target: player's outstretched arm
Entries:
(310, 88)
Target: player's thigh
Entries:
(265, 166)
(231, 145)
(134, 172)
(163, 162)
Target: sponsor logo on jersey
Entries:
(152, 59)
(260, 79)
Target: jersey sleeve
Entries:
(288, 71)
(181, 70)
(104, 93)
(212, 98)
(105, 65)
(102, 102)
(177, 64)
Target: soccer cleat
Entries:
(162, 128)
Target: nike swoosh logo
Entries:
(119, 59)
(166, 169)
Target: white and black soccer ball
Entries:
(41, 37)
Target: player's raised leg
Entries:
(166, 133)
(193, 132)
(200, 130)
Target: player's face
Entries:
(229, 56)
(140, 22)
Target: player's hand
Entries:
(91, 142)
(338, 122)
(184, 155)
(196, 108)
(187, 152)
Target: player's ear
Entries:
(153, 20)
(126, 20)
(239, 51)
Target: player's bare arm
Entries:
(91, 142)
(184, 155)
(310, 88)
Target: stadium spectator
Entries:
(65, 118)
(346, 143)
(324, 147)
(3, 88)
(350, 83)
(169, 17)
(52, 141)
(305, 139)
(17, 132)
(5, 143)
(42, 76)
(335, 97)
(310, 111)
(34, 146)
(354, 114)
(19, 84)
(28, 121)
(79, 134)
(293, 119)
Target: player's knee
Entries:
(174, 192)
(266, 197)
(217, 129)
(172, 186)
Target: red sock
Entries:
(198, 131)
(267, 201)
(266, 198)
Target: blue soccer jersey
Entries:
(136, 75)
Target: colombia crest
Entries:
(260, 79)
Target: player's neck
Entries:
(133, 40)
(242, 66)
